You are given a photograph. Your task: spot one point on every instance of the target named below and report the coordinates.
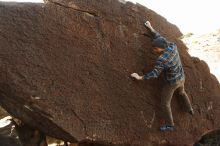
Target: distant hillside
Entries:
(207, 48)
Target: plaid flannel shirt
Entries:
(170, 63)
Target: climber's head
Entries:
(159, 44)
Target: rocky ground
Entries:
(207, 48)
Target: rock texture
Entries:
(65, 68)
(3, 113)
(211, 138)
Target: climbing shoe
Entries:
(166, 128)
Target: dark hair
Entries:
(160, 42)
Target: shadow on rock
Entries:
(209, 139)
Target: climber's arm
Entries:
(152, 30)
(153, 74)
(158, 68)
(137, 77)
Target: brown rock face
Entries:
(3, 113)
(65, 67)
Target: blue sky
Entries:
(196, 16)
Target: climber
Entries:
(169, 62)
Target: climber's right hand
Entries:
(147, 24)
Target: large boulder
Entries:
(65, 68)
(3, 113)
(211, 138)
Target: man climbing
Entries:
(169, 62)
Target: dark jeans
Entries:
(167, 93)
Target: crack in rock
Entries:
(83, 123)
(76, 9)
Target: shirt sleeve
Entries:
(156, 35)
(158, 68)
